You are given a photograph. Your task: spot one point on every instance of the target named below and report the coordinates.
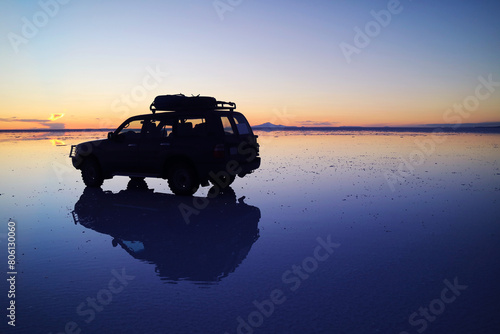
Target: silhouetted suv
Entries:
(198, 139)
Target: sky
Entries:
(91, 64)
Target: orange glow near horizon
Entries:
(257, 118)
(341, 112)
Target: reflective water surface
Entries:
(345, 232)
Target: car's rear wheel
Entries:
(92, 173)
(182, 179)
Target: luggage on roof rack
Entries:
(180, 102)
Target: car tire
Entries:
(92, 173)
(182, 179)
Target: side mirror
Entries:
(111, 135)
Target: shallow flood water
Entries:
(345, 232)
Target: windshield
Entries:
(131, 129)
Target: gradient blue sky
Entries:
(281, 61)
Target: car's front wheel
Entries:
(92, 173)
(182, 179)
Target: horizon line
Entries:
(273, 127)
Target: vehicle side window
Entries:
(226, 124)
(165, 130)
(199, 126)
(241, 124)
(150, 129)
(190, 127)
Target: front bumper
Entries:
(76, 160)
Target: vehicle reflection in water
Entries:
(187, 238)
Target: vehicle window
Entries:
(190, 127)
(228, 129)
(150, 129)
(241, 124)
(165, 130)
(131, 129)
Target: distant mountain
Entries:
(269, 125)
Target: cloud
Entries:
(27, 120)
(316, 123)
(53, 117)
(44, 122)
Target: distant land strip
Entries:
(479, 129)
(446, 129)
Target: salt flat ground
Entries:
(346, 232)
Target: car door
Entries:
(122, 153)
(190, 138)
(151, 146)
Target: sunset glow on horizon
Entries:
(296, 63)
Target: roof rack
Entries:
(180, 102)
(222, 105)
(219, 106)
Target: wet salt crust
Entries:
(409, 219)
